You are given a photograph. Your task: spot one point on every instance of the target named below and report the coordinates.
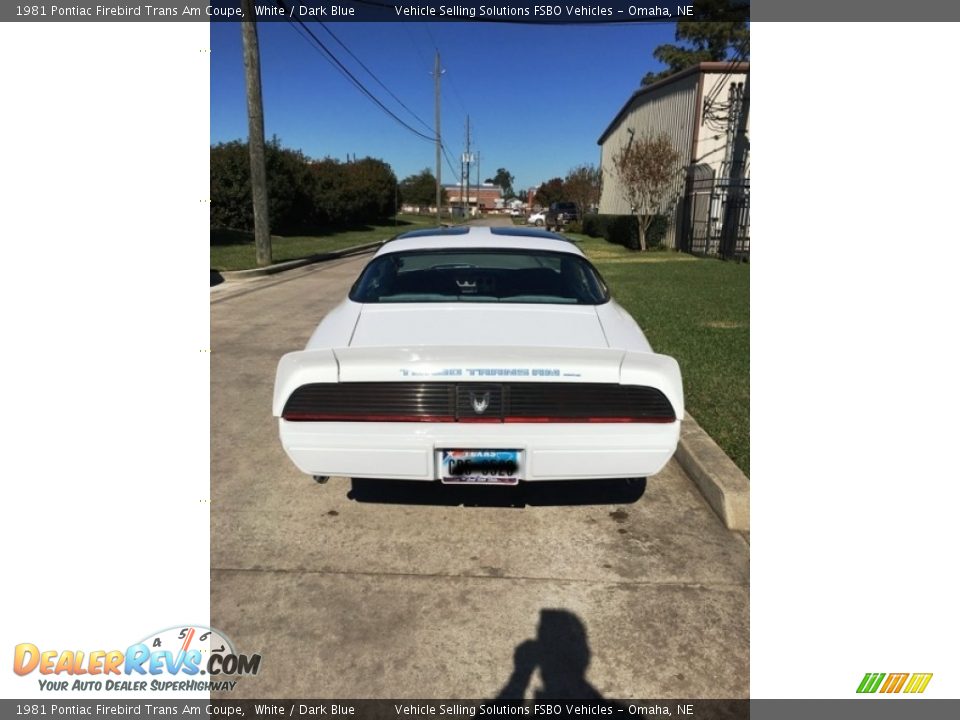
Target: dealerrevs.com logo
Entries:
(182, 659)
(894, 683)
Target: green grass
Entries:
(698, 311)
(234, 250)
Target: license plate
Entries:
(479, 467)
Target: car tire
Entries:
(538, 223)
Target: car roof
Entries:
(474, 237)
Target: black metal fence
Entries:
(707, 206)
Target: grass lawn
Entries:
(698, 311)
(234, 250)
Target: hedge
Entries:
(624, 230)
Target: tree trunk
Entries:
(643, 222)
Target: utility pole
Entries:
(735, 190)
(460, 196)
(467, 160)
(436, 122)
(258, 168)
(478, 182)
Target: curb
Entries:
(722, 484)
(292, 264)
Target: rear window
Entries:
(480, 275)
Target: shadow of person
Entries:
(561, 653)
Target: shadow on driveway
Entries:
(561, 653)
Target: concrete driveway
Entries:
(395, 590)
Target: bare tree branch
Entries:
(646, 169)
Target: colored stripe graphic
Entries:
(894, 682)
(918, 682)
(870, 682)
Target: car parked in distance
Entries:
(537, 218)
(478, 355)
(559, 214)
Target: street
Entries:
(365, 589)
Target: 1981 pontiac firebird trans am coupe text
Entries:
(479, 355)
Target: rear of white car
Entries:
(487, 386)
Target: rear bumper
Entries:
(407, 451)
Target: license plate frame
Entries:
(480, 466)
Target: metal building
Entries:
(700, 109)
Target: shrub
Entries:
(230, 204)
(592, 225)
(288, 191)
(573, 226)
(372, 188)
(302, 195)
(657, 231)
(623, 230)
(620, 229)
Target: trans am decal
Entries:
(484, 372)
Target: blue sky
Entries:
(538, 96)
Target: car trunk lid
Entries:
(478, 324)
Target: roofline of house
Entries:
(473, 186)
(704, 68)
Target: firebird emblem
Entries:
(480, 402)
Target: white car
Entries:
(476, 355)
(537, 218)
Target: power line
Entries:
(426, 27)
(376, 79)
(738, 58)
(413, 42)
(360, 87)
(453, 83)
(331, 58)
(449, 161)
(453, 86)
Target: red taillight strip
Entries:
(313, 417)
(514, 419)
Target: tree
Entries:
(504, 180)
(522, 196)
(719, 33)
(288, 187)
(646, 168)
(351, 193)
(582, 186)
(303, 195)
(230, 203)
(549, 192)
(371, 188)
(421, 189)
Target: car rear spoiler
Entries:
(478, 364)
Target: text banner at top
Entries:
(511, 11)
